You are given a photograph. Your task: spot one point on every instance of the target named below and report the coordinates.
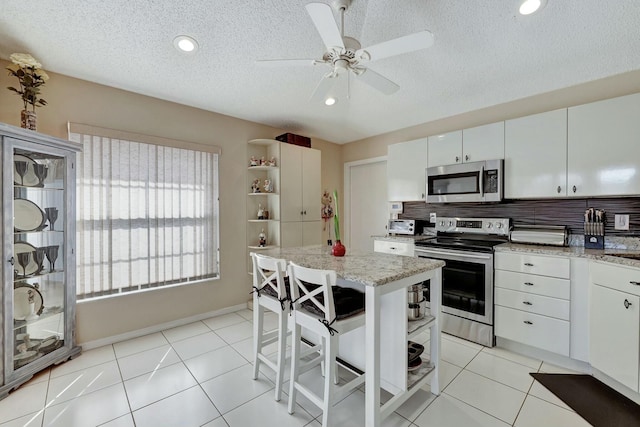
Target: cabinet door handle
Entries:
(627, 304)
(528, 283)
(528, 264)
(575, 189)
(392, 248)
(457, 159)
(527, 322)
(466, 157)
(632, 282)
(526, 303)
(559, 189)
(11, 261)
(305, 212)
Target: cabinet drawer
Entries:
(539, 331)
(395, 248)
(534, 264)
(616, 277)
(537, 304)
(531, 283)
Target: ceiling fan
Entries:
(345, 55)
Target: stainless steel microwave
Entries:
(466, 182)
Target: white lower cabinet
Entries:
(531, 305)
(532, 329)
(393, 248)
(614, 329)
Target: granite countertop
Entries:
(576, 251)
(369, 269)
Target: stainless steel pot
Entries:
(414, 297)
(416, 311)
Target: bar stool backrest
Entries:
(268, 275)
(307, 284)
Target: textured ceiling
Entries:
(484, 54)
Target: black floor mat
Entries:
(596, 402)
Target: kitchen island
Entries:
(384, 279)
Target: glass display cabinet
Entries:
(38, 241)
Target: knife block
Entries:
(594, 235)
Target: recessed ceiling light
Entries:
(531, 6)
(185, 44)
(329, 101)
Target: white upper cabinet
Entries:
(469, 145)
(300, 183)
(483, 143)
(604, 147)
(406, 170)
(445, 149)
(535, 156)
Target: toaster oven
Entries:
(403, 226)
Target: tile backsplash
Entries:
(569, 212)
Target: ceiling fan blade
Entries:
(323, 88)
(377, 81)
(322, 17)
(283, 62)
(405, 44)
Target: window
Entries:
(147, 213)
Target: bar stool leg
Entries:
(295, 364)
(282, 345)
(258, 316)
(329, 379)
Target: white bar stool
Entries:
(270, 293)
(314, 308)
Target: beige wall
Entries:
(610, 87)
(84, 102)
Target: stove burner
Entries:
(477, 245)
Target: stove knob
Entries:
(442, 223)
(489, 225)
(451, 223)
(499, 225)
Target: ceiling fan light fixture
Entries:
(527, 7)
(185, 44)
(330, 101)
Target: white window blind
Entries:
(147, 214)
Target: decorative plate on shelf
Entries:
(32, 267)
(22, 359)
(49, 344)
(21, 294)
(30, 179)
(27, 216)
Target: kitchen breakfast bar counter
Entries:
(382, 350)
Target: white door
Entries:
(366, 207)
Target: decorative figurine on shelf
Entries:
(260, 212)
(268, 186)
(327, 210)
(263, 162)
(253, 161)
(262, 239)
(272, 162)
(255, 187)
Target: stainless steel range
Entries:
(466, 245)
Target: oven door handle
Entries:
(451, 253)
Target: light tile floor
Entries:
(201, 375)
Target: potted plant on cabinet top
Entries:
(31, 77)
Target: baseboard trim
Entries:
(160, 327)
